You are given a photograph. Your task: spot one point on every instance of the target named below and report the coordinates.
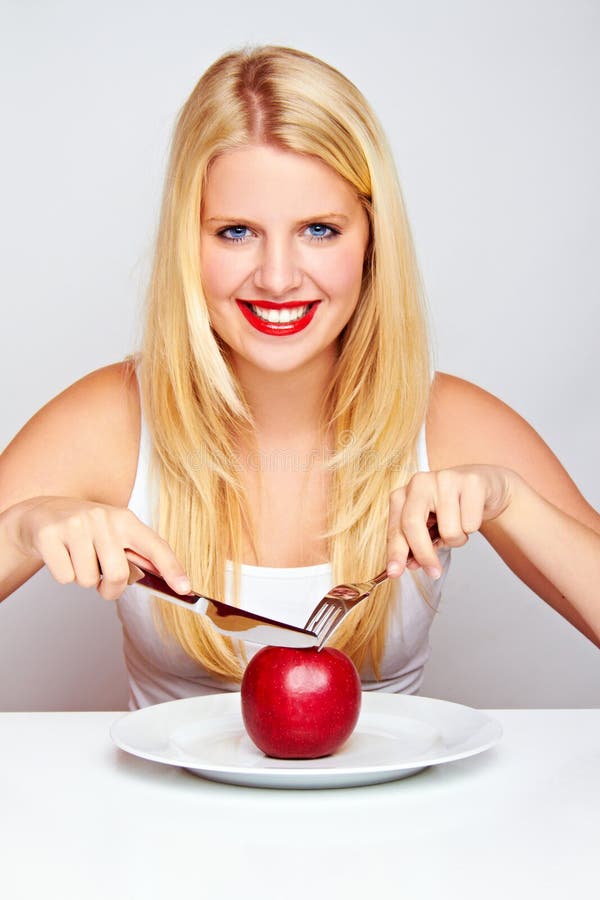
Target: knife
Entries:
(230, 620)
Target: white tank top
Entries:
(160, 670)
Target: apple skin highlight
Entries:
(300, 704)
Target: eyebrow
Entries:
(323, 217)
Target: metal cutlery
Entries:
(330, 612)
(229, 620)
(235, 622)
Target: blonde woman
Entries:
(280, 429)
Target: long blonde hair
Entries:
(193, 402)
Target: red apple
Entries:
(300, 704)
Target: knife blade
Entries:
(229, 620)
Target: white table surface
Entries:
(81, 819)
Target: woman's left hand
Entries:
(462, 498)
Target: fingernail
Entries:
(393, 568)
(184, 586)
(433, 572)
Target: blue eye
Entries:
(238, 233)
(321, 232)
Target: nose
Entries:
(277, 271)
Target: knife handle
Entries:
(139, 574)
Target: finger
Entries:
(143, 545)
(421, 500)
(168, 566)
(397, 547)
(472, 504)
(140, 560)
(114, 569)
(85, 562)
(77, 531)
(448, 510)
(56, 558)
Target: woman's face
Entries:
(283, 240)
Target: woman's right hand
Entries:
(89, 543)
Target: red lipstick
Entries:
(278, 329)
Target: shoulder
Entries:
(105, 397)
(84, 442)
(464, 421)
(468, 425)
(111, 389)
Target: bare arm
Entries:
(492, 472)
(63, 451)
(552, 552)
(65, 482)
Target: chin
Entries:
(284, 359)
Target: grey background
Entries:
(493, 115)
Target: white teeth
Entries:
(280, 316)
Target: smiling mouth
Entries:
(278, 318)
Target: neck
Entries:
(287, 406)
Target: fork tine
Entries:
(334, 607)
(325, 633)
(326, 616)
(318, 614)
(332, 614)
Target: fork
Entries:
(330, 612)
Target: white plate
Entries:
(396, 735)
